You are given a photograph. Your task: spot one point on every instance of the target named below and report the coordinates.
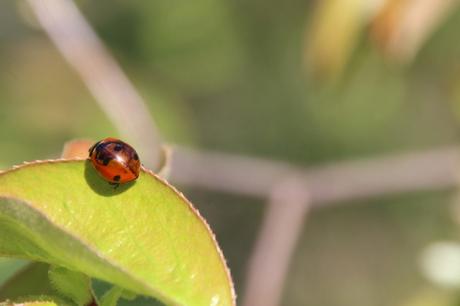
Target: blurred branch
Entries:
(292, 191)
(327, 184)
(284, 217)
(81, 47)
(79, 44)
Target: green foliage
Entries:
(143, 236)
(111, 297)
(71, 284)
(38, 300)
(8, 267)
(205, 51)
(32, 280)
(30, 304)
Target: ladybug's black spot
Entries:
(136, 157)
(118, 147)
(100, 155)
(106, 160)
(116, 178)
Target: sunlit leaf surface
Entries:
(143, 236)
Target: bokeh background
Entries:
(306, 82)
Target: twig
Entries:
(289, 200)
(284, 217)
(327, 184)
(83, 50)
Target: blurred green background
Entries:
(243, 77)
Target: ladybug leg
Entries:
(115, 185)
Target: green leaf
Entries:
(71, 284)
(9, 267)
(143, 236)
(111, 297)
(31, 280)
(40, 300)
(128, 295)
(29, 304)
(101, 288)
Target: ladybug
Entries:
(116, 161)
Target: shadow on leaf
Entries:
(101, 186)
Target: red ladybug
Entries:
(116, 161)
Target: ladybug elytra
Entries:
(116, 161)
